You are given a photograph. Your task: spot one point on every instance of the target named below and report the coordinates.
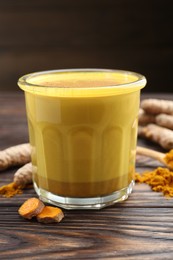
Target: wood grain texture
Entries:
(132, 35)
(139, 228)
(113, 233)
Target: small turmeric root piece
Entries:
(50, 215)
(15, 156)
(165, 120)
(157, 134)
(157, 106)
(23, 175)
(31, 208)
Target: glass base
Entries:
(84, 203)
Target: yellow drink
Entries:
(83, 129)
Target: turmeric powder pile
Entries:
(160, 180)
(169, 158)
(10, 190)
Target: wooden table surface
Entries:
(139, 228)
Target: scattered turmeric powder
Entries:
(31, 208)
(169, 158)
(10, 190)
(50, 214)
(15, 156)
(160, 180)
(22, 179)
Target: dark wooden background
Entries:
(119, 34)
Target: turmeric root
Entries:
(145, 118)
(22, 178)
(15, 156)
(31, 208)
(157, 134)
(50, 214)
(34, 207)
(23, 175)
(157, 106)
(165, 120)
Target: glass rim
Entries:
(24, 78)
(118, 88)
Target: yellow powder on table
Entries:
(160, 180)
(10, 190)
(169, 158)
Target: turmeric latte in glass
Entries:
(83, 131)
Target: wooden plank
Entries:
(121, 233)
